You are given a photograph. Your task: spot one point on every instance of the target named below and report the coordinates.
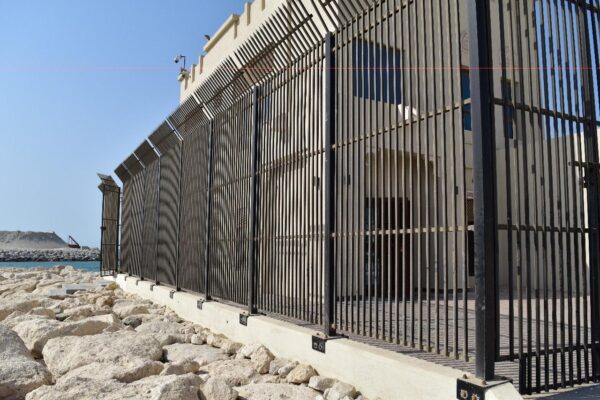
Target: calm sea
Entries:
(92, 266)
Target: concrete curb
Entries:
(377, 373)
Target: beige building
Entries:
(419, 168)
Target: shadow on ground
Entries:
(584, 393)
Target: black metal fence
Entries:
(545, 112)
(425, 175)
(109, 230)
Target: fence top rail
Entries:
(146, 153)
(133, 164)
(164, 137)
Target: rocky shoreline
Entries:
(103, 343)
(67, 254)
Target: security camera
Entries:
(177, 58)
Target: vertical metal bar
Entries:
(591, 152)
(483, 174)
(209, 185)
(252, 225)
(117, 227)
(328, 187)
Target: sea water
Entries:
(91, 266)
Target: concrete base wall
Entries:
(377, 373)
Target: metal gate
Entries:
(537, 79)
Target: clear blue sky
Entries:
(82, 83)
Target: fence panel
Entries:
(290, 276)
(230, 194)
(404, 177)
(194, 208)
(109, 238)
(137, 219)
(546, 132)
(150, 230)
(126, 256)
(168, 216)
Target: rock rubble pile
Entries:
(102, 343)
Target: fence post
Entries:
(118, 233)
(592, 182)
(102, 229)
(329, 188)
(484, 187)
(208, 210)
(252, 224)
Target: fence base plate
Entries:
(319, 341)
(471, 388)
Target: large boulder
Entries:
(301, 374)
(165, 332)
(276, 391)
(23, 304)
(66, 353)
(126, 308)
(234, 372)
(19, 372)
(36, 332)
(262, 358)
(126, 370)
(80, 312)
(17, 317)
(167, 387)
(218, 389)
(202, 354)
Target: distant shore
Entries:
(65, 254)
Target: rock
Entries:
(19, 373)
(301, 374)
(66, 353)
(80, 312)
(339, 390)
(217, 389)
(23, 304)
(14, 319)
(197, 339)
(262, 358)
(167, 387)
(321, 383)
(165, 332)
(215, 340)
(276, 364)
(276, 391)
(230, 347)
(43, 312)
(104, 301)
(36, 332)
(202, 354)
(234, 372)
(125, 308)
(181, 368)
(132, 320)
(247, 350)
(128, 370)
(111, 286)
(286, 369)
